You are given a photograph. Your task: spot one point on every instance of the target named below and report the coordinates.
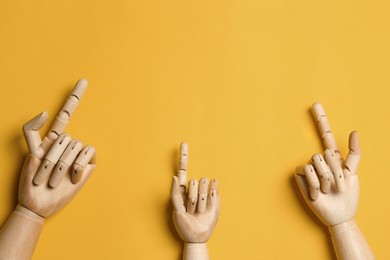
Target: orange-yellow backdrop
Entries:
(233, 78)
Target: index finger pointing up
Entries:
(323, 125)
(183, 164)
(67, 110)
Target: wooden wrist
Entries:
(25, 212)
(195, 245)
(195, 251)
(20, 234)
(349, 242)
(342, 227)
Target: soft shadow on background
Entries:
(169, 207)
(297, 192)
(15, 147)
(311, 216)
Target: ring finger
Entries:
(65, 162)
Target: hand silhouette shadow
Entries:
(169, 208)
(315, 219)
(16, 148)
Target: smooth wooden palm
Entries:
(196, 208)
(43, 199)
(335, 207)
(194, 227)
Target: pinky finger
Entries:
(87, 156)
(312, 179)
(202, 200)
(213, 193)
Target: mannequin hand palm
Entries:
(338, 199)
(196, 211)
(335, 207)
(57, 167)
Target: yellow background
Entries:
(235, 79)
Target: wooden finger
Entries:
(64, 163)
(192, 195)
(32, 135)
(203, 190)
(323, 171)
(183, 164)
(51, 159)
(67, 110)
(353, 157)
(314, 184)
(86, 156)
(335, 166)
(324, 127)
(213, 193)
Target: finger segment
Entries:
(65, 162)
(213, 193)
(32, 136)
(183, 164)
(330, 143)
(77, 173)
(335, 166)
(58, 174)
(192, 195)
(51, 159)
(43, 172)
(58, 148)
(324, 127)
(323, 171)
(203, 190)
(314, 184)
(353, 157)
(86, 156)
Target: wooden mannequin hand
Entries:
(44, 199)
(195, 225)
(330, 187)
(332, 198)
(54, 171)
(57, 167)
(196, 211)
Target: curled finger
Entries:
(203, 189)
(87, 156)
(314, 184)
(32, 135)
(51, 159)
(213, 193)
(334, 163)
(192, 195)
(65, 162)
(323, 171)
